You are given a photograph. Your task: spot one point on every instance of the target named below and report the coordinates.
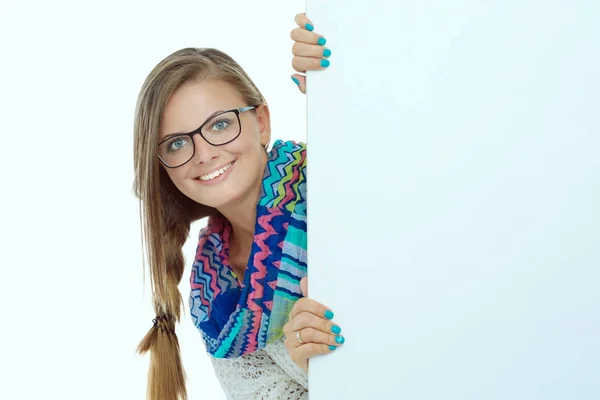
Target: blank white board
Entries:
(454, 198)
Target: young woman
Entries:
(201, 136)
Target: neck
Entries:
(241, 214)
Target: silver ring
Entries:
(299, 338)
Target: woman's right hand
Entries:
(310, 53)
(309, 331)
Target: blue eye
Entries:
(177, 144)
(221, 125)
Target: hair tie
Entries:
(162, 326)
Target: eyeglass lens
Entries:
(219, 130)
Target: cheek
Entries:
(178, 177)
(251, 142)
(251, 131)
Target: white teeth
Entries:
(214, 174)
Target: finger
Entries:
(310, 350)
(291, 342)
(307, 320)
(303, 64)
(300, 80)
(312, 335)
(304, 36)
(304, 286)
(305, 304)
(310, 50)
(303, 22)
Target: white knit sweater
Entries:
(267, 374)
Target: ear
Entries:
(264, 123)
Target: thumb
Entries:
(300, 80)
(304, 286)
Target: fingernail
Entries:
(324, 63)
(329, 314)
(326, 53)
(322, 41)
(336, 329)
(332, 348)
(309, 27)
(340, 339)
(295, 80)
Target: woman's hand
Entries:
(309, 331)
(310, 53)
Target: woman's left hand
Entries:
(310, 53)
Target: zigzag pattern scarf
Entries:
(239, 319)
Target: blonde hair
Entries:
(166, 214)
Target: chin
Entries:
(222, 197)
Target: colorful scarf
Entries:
(239, 319)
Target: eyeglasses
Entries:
(221, 128)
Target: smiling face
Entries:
(216, 176)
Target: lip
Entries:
(219, 178)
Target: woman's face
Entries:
(217, 175)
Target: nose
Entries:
(205, 152)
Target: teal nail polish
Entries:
(332, 348)
(329, 314)
(326, 53)
(324, 63)
(340, 339)
(309, 27)
(336, 329)
(322, 41)
(296, 81)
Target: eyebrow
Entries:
(170, 135)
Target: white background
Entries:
(74, 305)
(454, 219)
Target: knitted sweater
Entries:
(267, 374)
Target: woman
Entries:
(202, 130)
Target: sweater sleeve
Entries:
(257, 376)
(281, 357)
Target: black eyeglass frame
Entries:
(198, 131)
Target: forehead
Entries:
(194, 102)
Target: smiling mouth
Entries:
(215, 174)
